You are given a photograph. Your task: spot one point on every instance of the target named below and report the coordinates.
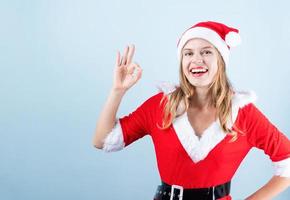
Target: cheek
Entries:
(184, 66)
(214, 69)
(183, 63)
(213, 65)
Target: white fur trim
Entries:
(207, 34)
(197, 148)
(282, 168)
(166, 87)
(239, 100)
(114, 140)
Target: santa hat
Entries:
(218, 34)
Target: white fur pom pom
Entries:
(233, 39)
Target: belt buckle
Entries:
(173, 187)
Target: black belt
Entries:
(168, 192)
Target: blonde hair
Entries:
(220, 91)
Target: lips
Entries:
(198, 71)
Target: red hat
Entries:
(218, 34)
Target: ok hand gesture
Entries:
(126, 72)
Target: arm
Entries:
(107, 117)
(271, 189)
(264, 135)
(124, 78)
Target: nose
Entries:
(197, 59)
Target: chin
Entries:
(200, 85)
(202, 82)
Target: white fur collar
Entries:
(197, 148)
(239, 100)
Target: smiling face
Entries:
(199, 62)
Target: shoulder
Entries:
(241, 100)
(154, 101)
(246, 111)
(166, 87)
(156, 98)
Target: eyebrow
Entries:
(201, 48)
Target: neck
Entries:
(200, 99)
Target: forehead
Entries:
(197, 43)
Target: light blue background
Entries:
(57, 60)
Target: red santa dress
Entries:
(184, 159)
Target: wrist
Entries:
(118, 91)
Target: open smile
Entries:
(198, 72)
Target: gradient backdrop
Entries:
(56, 62)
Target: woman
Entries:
(202, 129)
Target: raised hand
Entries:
(126, 72)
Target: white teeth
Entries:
(198, 70)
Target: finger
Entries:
(138, 74)
(124, 57)
(130, 54)
(118, 59)
(136, 68)
(130, 69)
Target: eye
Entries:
(206, 52)
(188, 54)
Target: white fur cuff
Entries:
(114, 140)
(282, 168)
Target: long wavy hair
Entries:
(220, 91)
